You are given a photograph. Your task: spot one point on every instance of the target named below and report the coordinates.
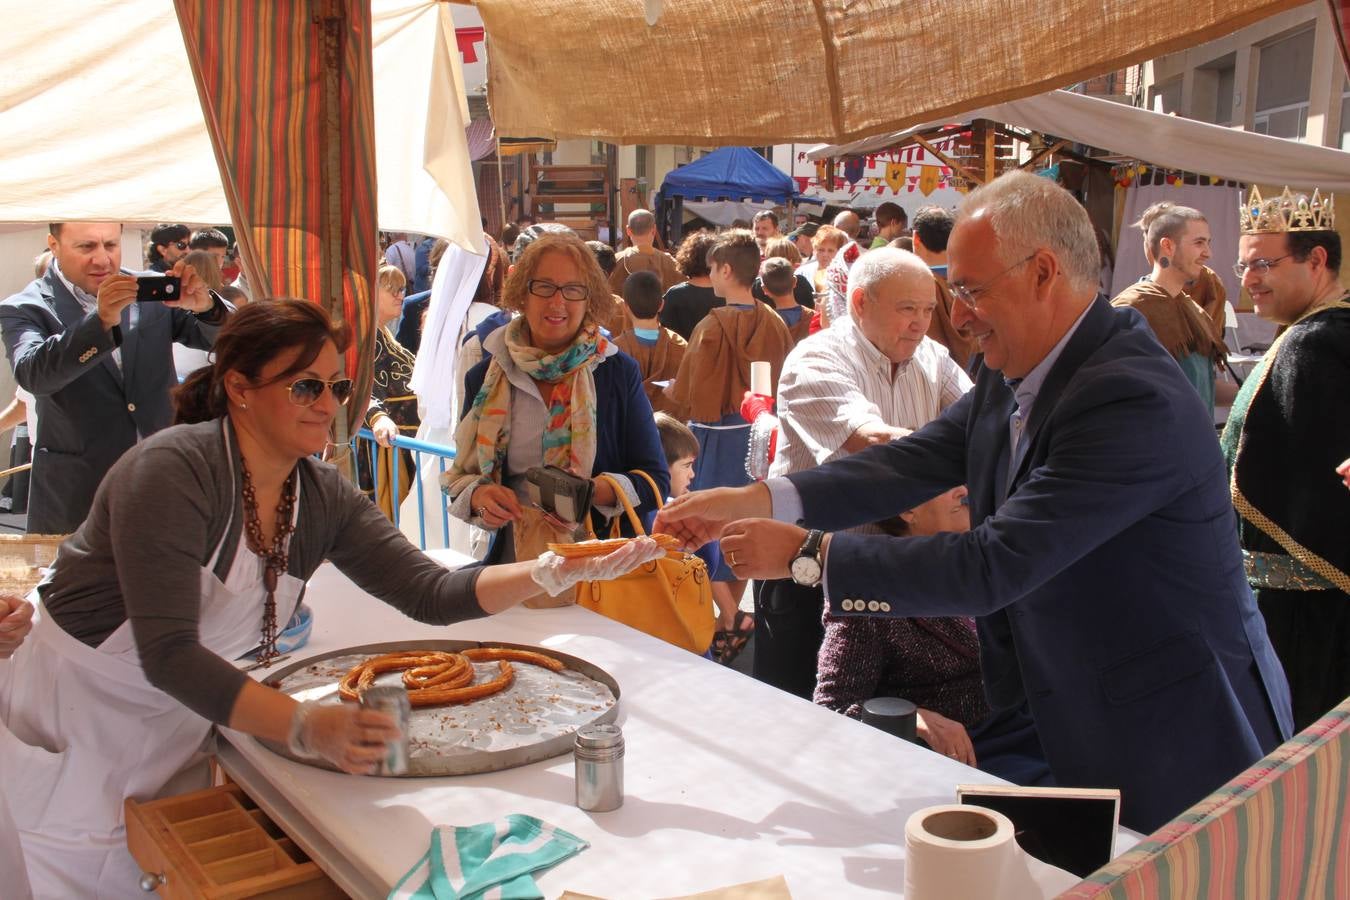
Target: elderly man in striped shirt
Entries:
(871, 377)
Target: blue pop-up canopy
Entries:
(730, 173)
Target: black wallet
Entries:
(560, 493)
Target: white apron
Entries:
(86, 730)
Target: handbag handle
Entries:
(627, 506)
(656, 492)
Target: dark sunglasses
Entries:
(181, 245)
(307, 391)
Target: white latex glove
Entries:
(555, 574)
(351, 737)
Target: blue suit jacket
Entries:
(1109, 584)
(89, 412)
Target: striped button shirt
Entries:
(836, 381)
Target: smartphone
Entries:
(157, 288)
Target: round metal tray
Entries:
(536, 718)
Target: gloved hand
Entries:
(351, 737)
(555, 574)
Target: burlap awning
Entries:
(773, 71)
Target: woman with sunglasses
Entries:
(197, 548)
(555, 391)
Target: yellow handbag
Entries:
(669, 598)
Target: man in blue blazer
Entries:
(1104, 567)
(99, 363)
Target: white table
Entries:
(727, 780)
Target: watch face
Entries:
(806, 571)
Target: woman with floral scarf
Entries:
(554, 391)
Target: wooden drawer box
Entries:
(217, 844)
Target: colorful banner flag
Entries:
(928, 179)
(895, 176)
(853, 170)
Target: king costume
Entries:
(1288, 430)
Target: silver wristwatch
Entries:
(806, 566)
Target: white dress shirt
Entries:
(836, 381)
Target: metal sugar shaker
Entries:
(393, 700)
(599, 765)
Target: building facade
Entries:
(1281, 76)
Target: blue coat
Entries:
(625, 431)
(89, 411)
(1108, 585)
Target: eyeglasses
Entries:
(1259, 266)
(970, 296)
(571, 291)
(181, 245)
(307, 391)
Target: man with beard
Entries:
(1176, 241)
(1288, 430)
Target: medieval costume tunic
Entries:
(1210, 295)
(390, 396)
(712, 381)
(797, 319)
(631, 260)
(1182, 328)
(1288, 430)
(658, 359)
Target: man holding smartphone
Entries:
(99, 363)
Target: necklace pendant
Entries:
(270, 579)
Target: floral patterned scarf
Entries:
(569, 442)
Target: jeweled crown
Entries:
(1288, 212)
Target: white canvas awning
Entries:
(1167, 141)
(99, 119)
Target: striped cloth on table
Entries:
(1279, 829)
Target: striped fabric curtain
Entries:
(285, 90)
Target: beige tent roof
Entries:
(774, 71)
(99, 119)
(1169, 141)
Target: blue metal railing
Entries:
(417, 448)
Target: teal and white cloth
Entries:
(493, 860)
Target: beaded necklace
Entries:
(275, 559)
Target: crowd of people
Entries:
(994, 491)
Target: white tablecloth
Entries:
(727, 780)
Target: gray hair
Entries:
(1030, 213)
(875, 266)
(1165, 220)
(641, 221)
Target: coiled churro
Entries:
(437, 678)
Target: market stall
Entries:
(728, 184)
(728, 780)
(1196, 163)
(705, 72)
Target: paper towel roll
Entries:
(958, 852)
(761, 379)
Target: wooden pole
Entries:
(333, 22)
(948, 161)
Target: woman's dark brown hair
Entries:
(247, 342)
(692, 257)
